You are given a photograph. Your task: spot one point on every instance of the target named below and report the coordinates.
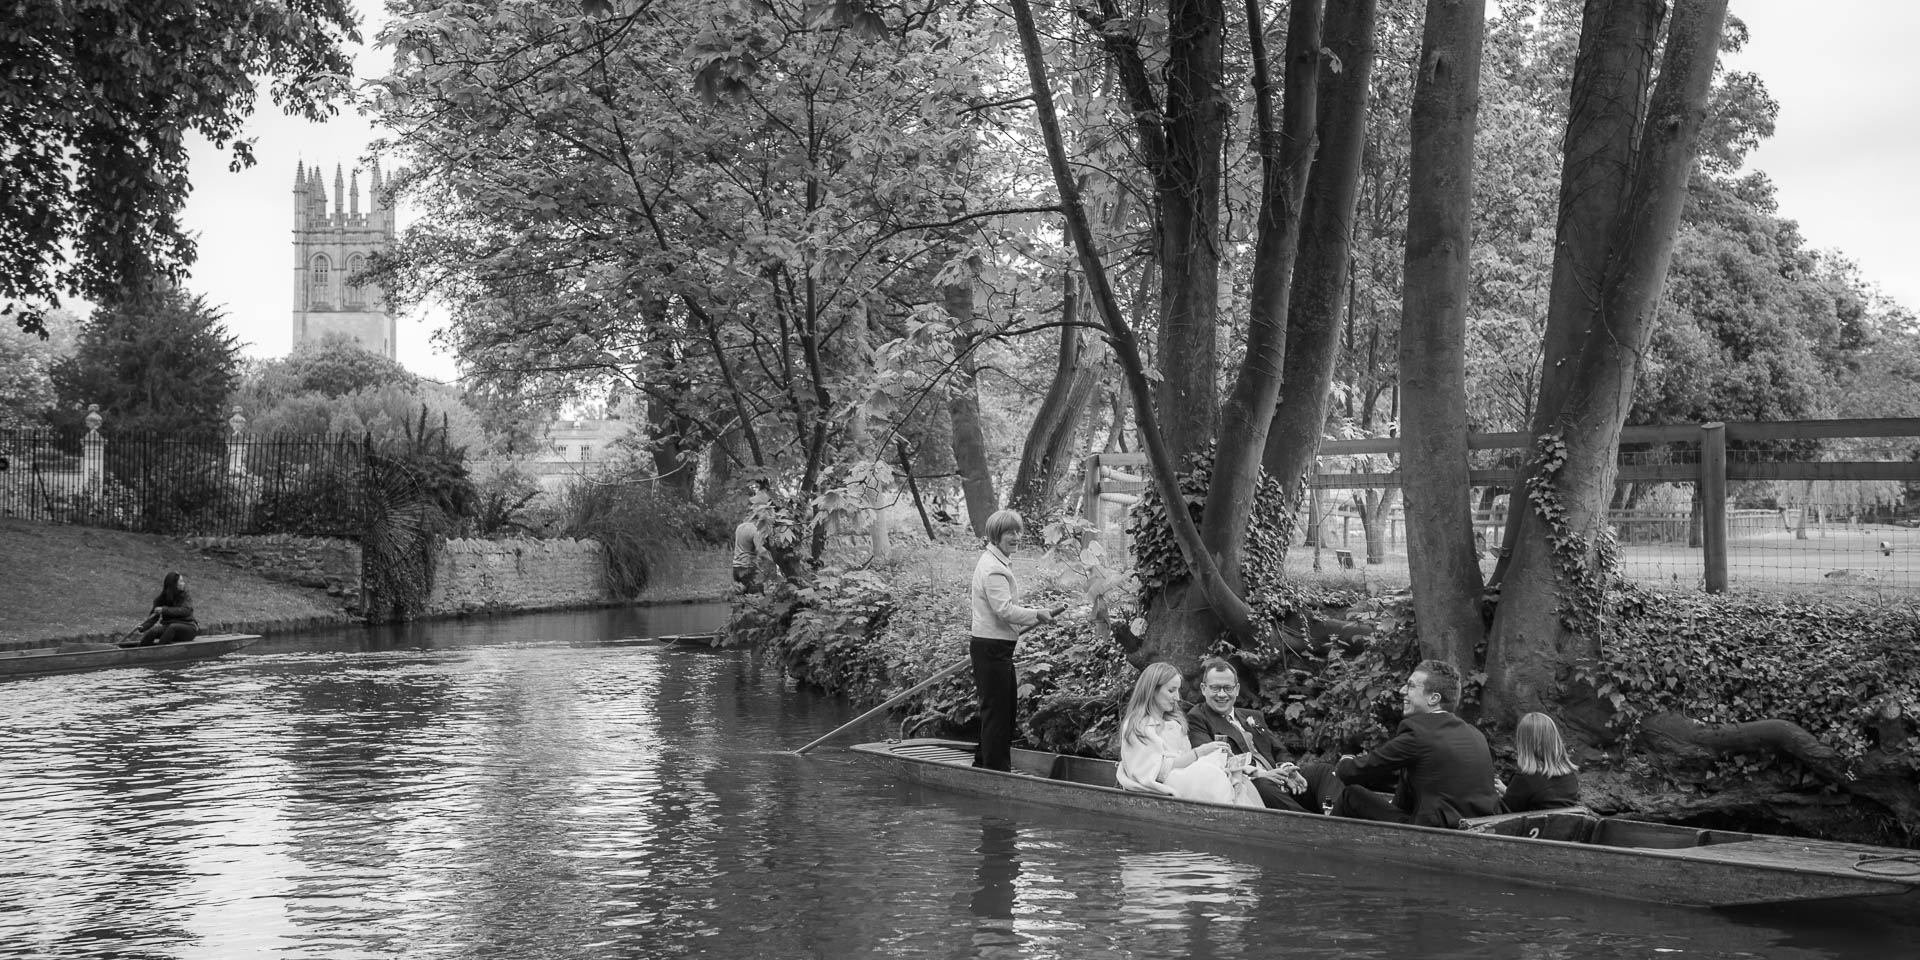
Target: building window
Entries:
(586, 451)
(317, 288)
(356, 294)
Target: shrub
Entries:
(1820, 662)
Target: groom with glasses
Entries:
(1283, 785)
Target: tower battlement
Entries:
(332, 245)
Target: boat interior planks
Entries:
(1571, 848)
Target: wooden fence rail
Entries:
(1121, 477)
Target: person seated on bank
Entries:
(172, 618)
(1282, 784)
(1156, 757)
(1547, 778)
(1445, 767)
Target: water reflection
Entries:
(541, 789)
(995, 884)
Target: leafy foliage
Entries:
(1157, 560)
(418, 492)
(26, 370)
(164, 364)
(1823, 663)
(96, 107)
(338, 388)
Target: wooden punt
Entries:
(98, 656)
(1570, 849)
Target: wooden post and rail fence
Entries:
(1121, 477)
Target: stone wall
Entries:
(322, 563)
(479, 576)
(498, 575)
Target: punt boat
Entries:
(96, 656)
(1570, 848)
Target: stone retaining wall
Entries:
(321, 563)
(477, 576)
(474, 576)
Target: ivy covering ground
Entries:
(1824, 664)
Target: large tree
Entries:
(1179, 122)
(734, 245)
(164, 365)
(97, 103)
(1630, 148)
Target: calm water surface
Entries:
(535, 787)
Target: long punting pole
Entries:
(876, 711)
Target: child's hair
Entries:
(1152, 678)
(1537, 741)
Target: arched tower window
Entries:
(320, 281)
(356, 294)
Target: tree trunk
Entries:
(1317, 311)
(963, 414)
(1202, 568)
(1439, 507)
(1187, 197)
(1376, 517)
(1607, 296)
(1286, 149)
(1049, 446)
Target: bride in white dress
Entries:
(1155, 756)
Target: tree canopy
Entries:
(97, 104)
(164, 364)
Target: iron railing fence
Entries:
(314, 486)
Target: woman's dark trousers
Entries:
(169, 633)
(993, 677)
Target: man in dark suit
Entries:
(1445, 768)
(1283, 785)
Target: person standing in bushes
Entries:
(997, 619)
(749, 547)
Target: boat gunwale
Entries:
(1890, 885)
(52, 660)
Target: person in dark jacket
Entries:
(172, 618)
(1547, 778)
(1282, 784)
(1446, 770)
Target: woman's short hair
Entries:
(1538, 747)
(1002, 523)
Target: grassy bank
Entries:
(61, 581)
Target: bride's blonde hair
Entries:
(1152, 678)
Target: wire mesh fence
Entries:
(1814, 506)
(154, 484)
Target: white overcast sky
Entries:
(1843, 158)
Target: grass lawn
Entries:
(63, 581)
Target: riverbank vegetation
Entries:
(1684, 674)
(927, 258)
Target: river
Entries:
(543, 787)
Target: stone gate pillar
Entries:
(93, 453)
(237, 443)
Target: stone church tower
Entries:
(330, 250)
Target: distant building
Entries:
(573, 448)
(330, 250)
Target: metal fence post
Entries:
(1713, 504)
(93, 453)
